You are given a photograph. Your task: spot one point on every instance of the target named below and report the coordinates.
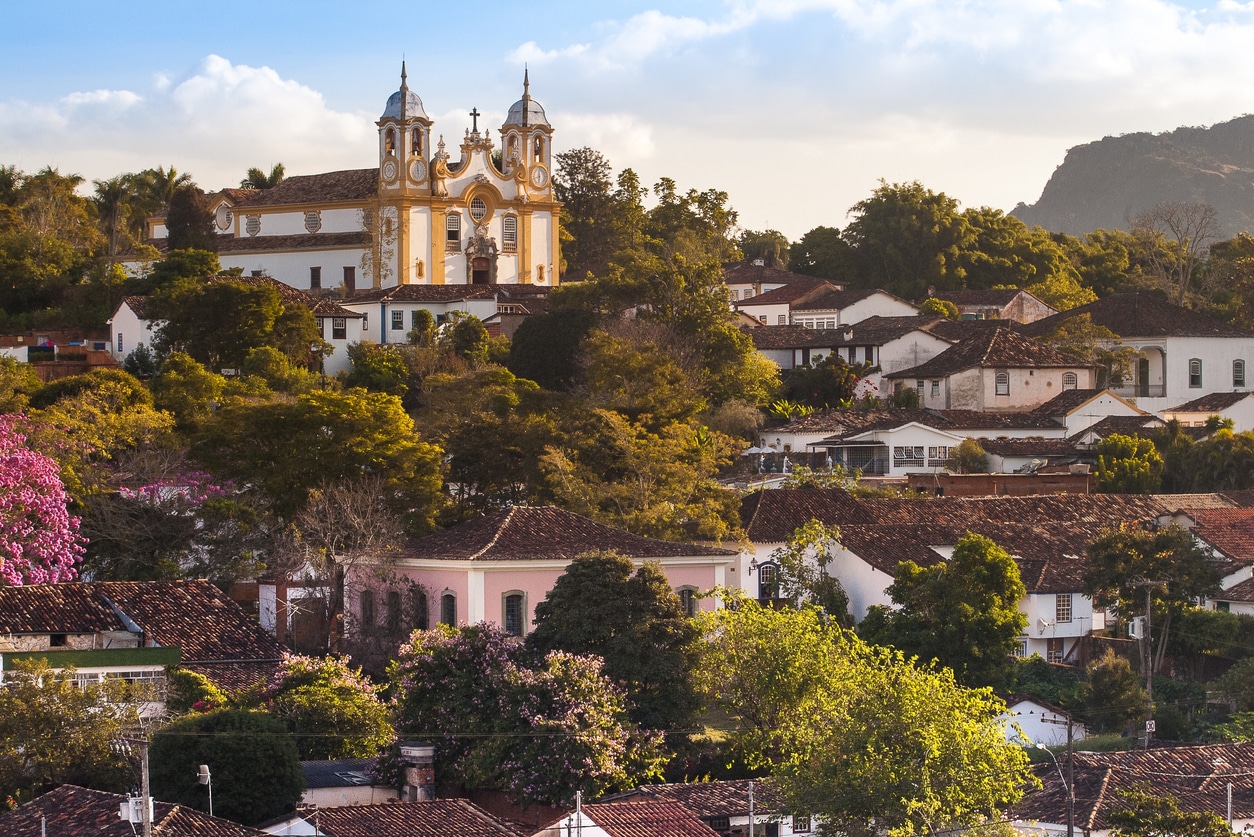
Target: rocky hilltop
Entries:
(1105, 184)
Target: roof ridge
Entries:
(500, 530)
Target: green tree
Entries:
(582, 182)
(963, 613)
(55, 731)
(1111, 694)
(18, 382)
(803, 575)
(1127, 562)
(258, 179)
(194, 265)
(332, 710)
(1151, 813)
(188, 223)
(856, 734)
(822, 252)
(1223, 462)
(634, 375)
(218, 323)
(939, 308)
(545, 348)
(1128, 465)
(186, 390)
(823, 383)
(467, 338)
(968, 457)
(771, 246)
(251, 756)
(601, 605)
(378, 368)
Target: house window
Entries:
(1002, 383)
(1224, 607)
(1195, 373)
(918, 385)
(748, 293)
(453, 230)
(448, 609)
(720, 824)
(1021, 649)
(935, 388)
(1070, 381)
(1238, 373)
(937, 456)
(509, 233)
(762, 319)
(394, 612)
(366, 601)
(800, 824)
(398, 321)
(58, 640)
(768, 582)
(782, 320)
(1062, 607)
(688, 599)
(315, 278)
(908, 456)
(119, 342)
(422, 613)
(339, 328)
(1054, 650)
(514, 609)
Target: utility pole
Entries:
(750, 808)
(1149, 653)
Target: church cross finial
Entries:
(526, 82)
(474, 115)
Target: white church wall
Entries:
(292, 267)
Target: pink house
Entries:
(498, 567)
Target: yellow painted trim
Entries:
(555, 249)
(524, 248)
(437, 244)
(404, 267)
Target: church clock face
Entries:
(389, 170)
(417, 170)
(539, 177)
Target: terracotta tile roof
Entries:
(1100, 509)
(771, 516)
(1231, 531)
(424, 293)
(1067, 401)
(1032, 446)
(1243, 592)
(647, 819)
(235, 676)
(354, 185)
(1191, 503)
(1197, 777)
(138, 304)
(321, 306)
(876, 331)
(999, 348)
(1215, 402)
(1142, 315)
(849, 422)
(832, 299)
(795, 337)
(69, 607)
(71, 811)
(741, 273)
(1135, 426)
(299, 241)
(1240, 497)
(959, 330)
(436, 818)
(790, 293)
(720, 798)
(884, 547)
(236, 196)
(528, 532)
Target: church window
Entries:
(415, 143)
(398, 321)
(448, 609)
(389, 141)
(453, 230)
(514, 607)
(509, 233)
(313, 221)
(339, 328)
(315, 278)
(1069, 380)
(539, 155)
(478, 208)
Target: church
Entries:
(417, 218)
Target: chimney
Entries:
(418, 767)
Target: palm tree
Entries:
(258, 179)
(113, 203)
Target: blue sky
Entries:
(795, 107)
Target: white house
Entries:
(1040, 722)
(130, 328)
(774, 306)
(828, 307)
(389, 312)
(996, 304)
(1079, 409)
(1237, 406)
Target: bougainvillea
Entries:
(39, 540)
(503, 718)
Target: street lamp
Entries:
(203, 777)
(1066, 786)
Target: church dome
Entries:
(413, 105)
(526, 111)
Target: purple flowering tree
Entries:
(538, 727)
(39, 540)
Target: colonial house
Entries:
(83, 812)
(1080, 409)
(132, 325)
(417, 217)
(999, 304)
(995, 370)
(1039, 722)
(389, 313)
(1235, 406)
(1214, 778)
(135, 630)
(828, 307)
(749, 279)
(725, 806)
(629, 819)
(1180, 354)
(498, 567)
(774, 307)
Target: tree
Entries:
(1127, 564)
(39, 540)
(188, 222)
(332, 710)
(939, 308)
(633, 621)
(1111, 694)
(251, 756)
(55, 730)
(822, 252)
(581, 181)
(963, 613)
(18, 382)
(1151, 813)
(771, 246)
(632, 373)
(1177, 235)
(1128, 465)
(258, 179)
(803, 575)
(856, 734)
(378, 368)
(545, 348)
(467, 337)
(828, 382)
(538, 728)
(217, 323)
(186, 390)
(968, 457)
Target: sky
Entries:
(796, 108)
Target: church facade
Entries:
(418, 217)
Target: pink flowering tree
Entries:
(39, 540)
(501, 717)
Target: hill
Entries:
(1105, 184)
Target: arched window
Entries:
(768, 582)
(1238, 373)
(509, 233)
(415, 143)
(448, 609)
(539, 146)
(688, 598)
(1002, 383)
(389, 142)
(366, 609)
(1195, 373)
(514, 612)
(421, 608)
(1070, 381)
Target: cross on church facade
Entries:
(474, 115)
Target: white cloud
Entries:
(116, 99)
(619, 136)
